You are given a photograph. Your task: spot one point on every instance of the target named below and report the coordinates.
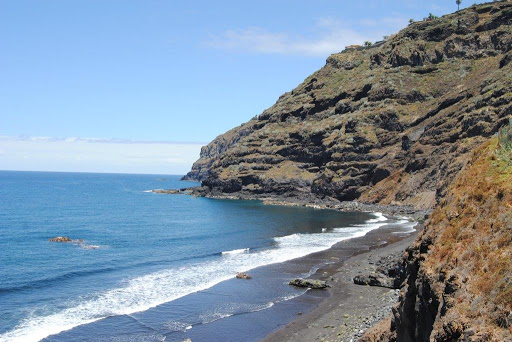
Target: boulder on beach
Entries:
(60, 239)
(389, 272)
(310, 283)
(374, 279)
(243, 275)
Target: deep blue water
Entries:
(154, 265)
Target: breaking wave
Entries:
(142, 293)
(236, 251)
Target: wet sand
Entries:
(350, 309)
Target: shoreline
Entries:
(281, 320)
(348, 310)
(322, 259)
(306, 200)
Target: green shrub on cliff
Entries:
(505, 143)
(505, 136)
(431, 17)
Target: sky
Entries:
(140, 86)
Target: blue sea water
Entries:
(150, 266)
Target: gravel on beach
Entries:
(351, 309)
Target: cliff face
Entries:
(459, 285)
(388, 124)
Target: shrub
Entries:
(505, 136)
(505, 143)
(431, 17)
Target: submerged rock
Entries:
(90, 246)
(310, 283)
(60, 239)
(243, 275)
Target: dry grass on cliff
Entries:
(288, 170)
(473, 229)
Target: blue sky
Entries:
(165, 71)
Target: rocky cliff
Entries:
(389, 124)
(459, 270)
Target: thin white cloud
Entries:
(92, 140)
(327, 36)
(75, 154)
(259, 40)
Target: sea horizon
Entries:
(96, 172)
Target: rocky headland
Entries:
(406, 126)
(388, 124)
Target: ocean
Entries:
(151, 267)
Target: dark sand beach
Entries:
(350, 309)
(316, 314)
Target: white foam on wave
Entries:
(145, 292)
(406, 225)
(379, 218)
(86, 246)
(231, 309)
(236, 251)
(177, 326)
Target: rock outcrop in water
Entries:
(60, 239)
(243, 275)
(388, 124)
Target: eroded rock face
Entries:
(459, 285)
(455, 291)
(389, 124)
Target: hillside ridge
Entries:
(390, 124)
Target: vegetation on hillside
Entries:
(505, 144)
(459, 270)
(390, 123)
